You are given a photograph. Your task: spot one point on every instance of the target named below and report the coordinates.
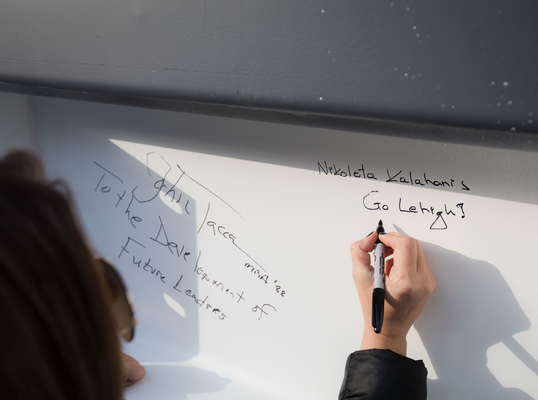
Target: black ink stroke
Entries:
(213, 193)
(114, 175)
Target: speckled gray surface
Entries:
(460, 63)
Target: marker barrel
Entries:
(378, 309)
(379, 266)
(378, 297)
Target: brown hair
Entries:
(57, 335)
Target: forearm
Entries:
(372, 340)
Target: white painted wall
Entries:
(262, 183)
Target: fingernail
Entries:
(370, 233)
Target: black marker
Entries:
(378, 297)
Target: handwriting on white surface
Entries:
(375, 201)
(211, 288)
(440, 213)
(396, 176)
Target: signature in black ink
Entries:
(398, 177)
(171, 246)
(345, 172)
(104, 187)
(262, 310)
(373, 204)
(162, 185)
(264, 278)
(145, 266)
(190, 293)
(132, 250)
(221, 230)
(425, 182)
(204, 277)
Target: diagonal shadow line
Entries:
(520, 352)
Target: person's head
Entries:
(57, 334)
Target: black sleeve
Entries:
(382, 374)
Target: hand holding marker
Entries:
(404, 280)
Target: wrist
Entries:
(372, 340)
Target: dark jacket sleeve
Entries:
(382, 374)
